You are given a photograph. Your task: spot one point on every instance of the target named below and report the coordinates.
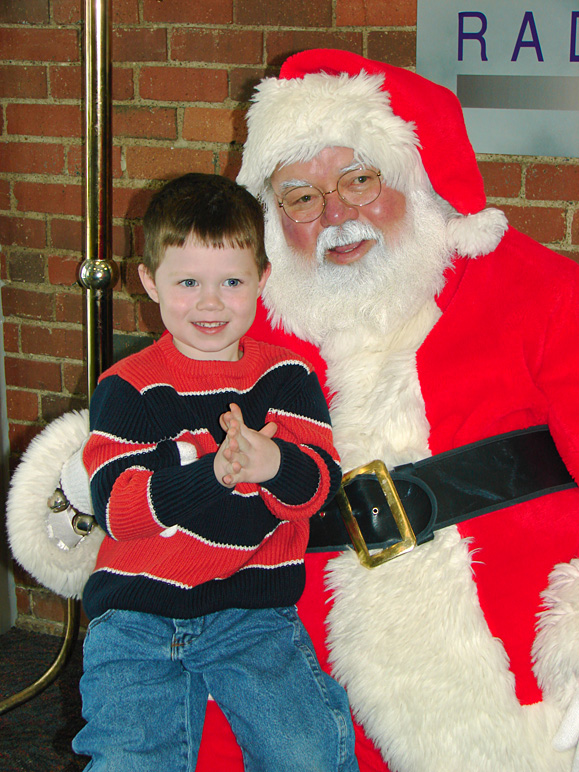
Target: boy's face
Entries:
(207, 297)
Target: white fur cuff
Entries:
(64, 571)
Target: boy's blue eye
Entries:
(189, 282)
(232, 282)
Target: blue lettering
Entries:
(574, 56)
(528, 21)
(462, 35)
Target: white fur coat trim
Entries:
(65, 572)
(424, 676)
(378, 411)
(556, 649)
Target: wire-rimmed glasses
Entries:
(357, 187)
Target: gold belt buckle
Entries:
(408, 539)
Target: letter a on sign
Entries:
(528, 21)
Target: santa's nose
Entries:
(337, 211)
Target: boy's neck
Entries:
(236, 353)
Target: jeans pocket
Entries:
(98, 621)
(288, 612)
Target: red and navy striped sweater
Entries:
(178, 543)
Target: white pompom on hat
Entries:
(410, 128)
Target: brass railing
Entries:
(98, 273)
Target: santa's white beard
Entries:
(313, 298)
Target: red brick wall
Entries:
(182, 75)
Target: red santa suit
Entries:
(464, 653)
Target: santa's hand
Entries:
(567, 736)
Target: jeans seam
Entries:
(188, 722)
(100, 619)
(316, 671)
(227, 713)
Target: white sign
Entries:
(514, 66)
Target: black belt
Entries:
(439, 491)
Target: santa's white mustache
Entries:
(349, 232)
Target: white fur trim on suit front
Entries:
(556, 648)
(378, 411)
(424, 676)
(37, 476)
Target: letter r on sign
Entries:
(477, 35)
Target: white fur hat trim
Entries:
(293, 120)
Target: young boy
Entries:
(208, 454)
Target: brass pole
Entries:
(98, 273)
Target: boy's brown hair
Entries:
(214, 211)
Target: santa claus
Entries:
(448, 343)
(451, 345)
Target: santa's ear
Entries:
(148, 282)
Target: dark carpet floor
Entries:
(37, 736)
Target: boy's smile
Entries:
(207, 297)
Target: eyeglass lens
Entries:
(356, 188)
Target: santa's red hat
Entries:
(410, 128)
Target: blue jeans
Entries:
(147, 679)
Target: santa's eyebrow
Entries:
(289, 184)
(352, 166)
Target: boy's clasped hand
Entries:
(245, 455)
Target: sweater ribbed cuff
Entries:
(298, 476)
